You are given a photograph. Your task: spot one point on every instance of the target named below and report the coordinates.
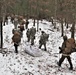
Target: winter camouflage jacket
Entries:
(32, 31)
(43, 38)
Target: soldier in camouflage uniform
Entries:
(15, 22)
(68, 46)
(32, 35)
(43, 39)
(16, 39)
(27, 22)
(21, 27)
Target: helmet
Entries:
(42, 31)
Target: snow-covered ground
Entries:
(24, 64)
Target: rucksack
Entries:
(16, 37)
(70, 45)
(21, 27)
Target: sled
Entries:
(33, 50)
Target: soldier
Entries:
(27, 22)
(15, 22)
(43, 40)
(32, 35)
(68, 46)
(28, 34)
(16, 39)
(21, 29)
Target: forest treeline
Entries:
(59, 9)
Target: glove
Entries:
(60, 50)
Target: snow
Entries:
(25, 64)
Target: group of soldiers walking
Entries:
(31, 36)
(19, 27)
(68, 45)
(30, 33)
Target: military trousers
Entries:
(69, 60)
(16, 48)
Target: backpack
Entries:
(70, 45)
(16, 37)
(21, 27)
(43, 39)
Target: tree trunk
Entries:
(1, 34)
(52, 21)
(65, 22)
(62, 31)
(34, 22)
(67, 25)
(72, 30)
(37, 25)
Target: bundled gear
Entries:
(16, 39)
(23, 22)
(68, 46)
(21, 28)
(17, 30)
